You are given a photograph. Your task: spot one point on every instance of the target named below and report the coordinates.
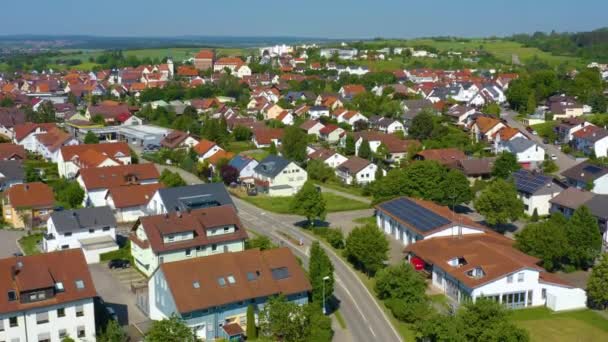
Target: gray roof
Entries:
(195, 196)
(271, 166)
(598, 205)
(82, 219)
(11, 170)
(518, 145)
(530, 182)
(585, 172)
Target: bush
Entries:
(122, 253)
(335, 237)
(407, 312)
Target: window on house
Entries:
(68, 234)
(226, 229)
(1, 324)
(520, 277)
(12, 322)
(231, 279)
(543, 294)
(63, 333)
(79, 284)
(80, 332)
(42, 317)
(79, 311)
(214, 247)
(44, 337)
(61, 312)
(105, 229)
(12, 296)
(91, 231)
(65, 246)
(188, 252)
(509, 279)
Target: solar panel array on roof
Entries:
(592, 169)
(528, 182)
(419, 217)
(280, 273)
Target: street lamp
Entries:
(324, 279)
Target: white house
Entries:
(49, 144)
(529, 154)
(25, 134)
(357, 171)
(188, 197)
(331, 133)
(73, 157)
(205, 149)
(47, 297)
(316, 112)
(277, 176)
(591, 140)
(97, 181)
(91, 229)
(128, 203)
(312, 127)
(330, 157)
(586, 175)
(536, 191)
(468, 267)
(183, 235)
(245, 166)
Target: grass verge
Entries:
(29, 243)
(340, 319)
(546, 325)
(346, 189)
(281, 205)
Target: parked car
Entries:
(151, 148)
(119, 263)
(553, 156)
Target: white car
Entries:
(553, 156)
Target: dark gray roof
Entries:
(530, 182)
(195, 196)
(410, 212)
(11, 170)
(598, 205)
(83, 219)
(518, 145)
(585, 172)
(271, 166)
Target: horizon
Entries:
(339, 19)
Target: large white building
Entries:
(468, 267)
(92, 229)
(47, 297)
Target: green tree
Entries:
(491, 108)
(365, 151)
(294, 144)
(91, 138)
(598, 103)
(68, 194)
(349, 145)
(545, 240)
(486, 320)
(597, 285)
(98, 120)
(273, 149)
(400, 281)
(171, 179)
(309, 202)
(318, 170)
(252, 331)
(283, 320)
(499, 203)
(242, 133)
(549, 166)
(534, 217)
(67, 339)
(112, 333)
(584, 238)
(505, 165)
(319, 267)
(367, 248)
(422, 125)
(456, 189)
(531, 104)
(173, 329)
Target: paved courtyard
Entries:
(8, 242)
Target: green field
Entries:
(281, 205)
(178, 54)
(545, 325)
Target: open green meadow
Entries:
(545, 325)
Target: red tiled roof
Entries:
(265, 135)
(203, 146)
(204, 54)
(11, 151)
(23, 130)
(30, 195)
(444, 156)
(111, 150)
(113, 176)
(133, 195)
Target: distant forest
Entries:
(588, 45)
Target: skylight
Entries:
(280, 273)
(231, 279)
(251, 276)
(79, 284)
(12, 296)
(59, 286)
(221, 281)
(196, 284)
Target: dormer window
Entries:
(59, 287)
(457, 262)
(12, 296)
(476, 273)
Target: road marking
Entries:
(339, 282)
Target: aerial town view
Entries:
(348, 171)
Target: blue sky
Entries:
(304, 18)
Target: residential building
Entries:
(330, 157)
(47, 297)
(205, 149)
(178, 139)
(312, 127)
(563, 107)
(476, 168)
(9, 151)
(331, 133)
(181, 235)
(10, 118)
(25, 134)
(316, 112)
(277, 176)
(410, 220)
(230, 63)
(74, 157)
(591, 140)
(97, 181)
(587, 176)
(189, 197)
(567, 127)
(245, 165)
(28, 204)
(212, 294)
(11, 173)
(467, 267)
(444, 156)
(357, 171)
(203, 60)
(264, 137)
(130, 202)
(536, 191)
(484, 128)
(48, 144)
(529, 154)
(572, 198)
(91, 229)
(386, 125)
(396, 147)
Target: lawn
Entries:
(29, 243)
(240, 146)
(281, 205)
(257, 154)
(341, 187)
(545, 325)
(365, 220)
(545, 130)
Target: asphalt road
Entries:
(563, 161)
(8, 242)
(365, 320)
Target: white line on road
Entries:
(339, 282)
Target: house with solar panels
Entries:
(586, 176)
(536, 191)
(410, 220)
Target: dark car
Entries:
(151, 148)
(119, 263)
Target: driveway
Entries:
(564, 161)
(114, 287)
(8, 242)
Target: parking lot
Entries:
(8, 242)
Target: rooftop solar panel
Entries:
(417, 216)
(528, 182)
(592, 169)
